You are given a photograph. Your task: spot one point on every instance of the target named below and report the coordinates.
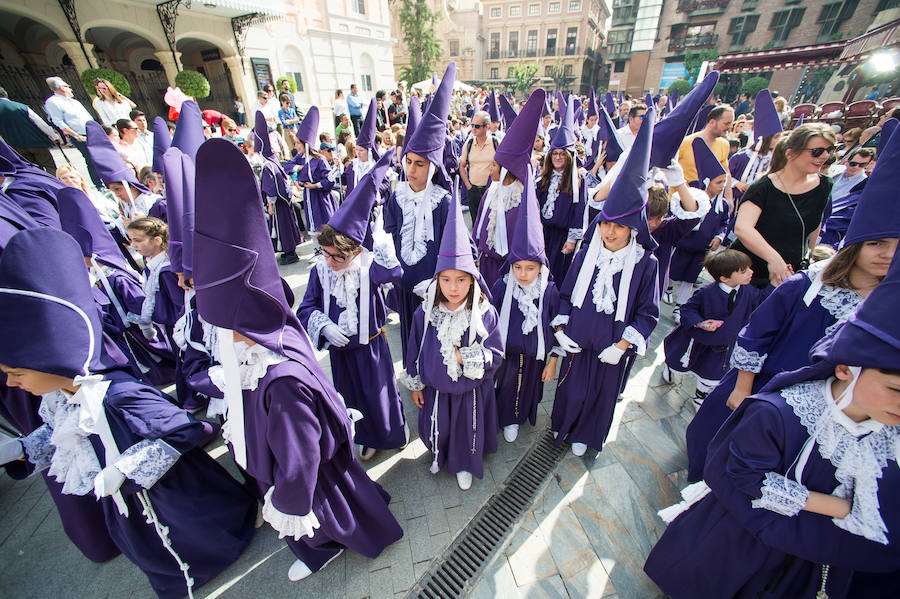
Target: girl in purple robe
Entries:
(286, 425)
(711, 321)
(317, 183)
(527, 300)
(608, 307)
(107, 433)
(343, 310)
(756, 525)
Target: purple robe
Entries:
(690, 250)
(566, 215)
(489, 261)
(348, 180)
(299, 445)
(319, 203)
(778, 338)
(587, 389)
(362, 374)
(667, 234)
(465, 409)
(196, 361)
(723, 547)
(35, 196)
(707, 353)
(274, 186)
(517, 383)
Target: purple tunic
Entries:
(724, 547)
(274, 186)
(778, 338)
(464, 410)
(667, 234)
(690, 250)
(564, 215)
(517, 383)
(707, 353)
(348, 179)
(362, 374)
(587, 389)
(489, 261)
(319, 203)
(34, 196)
(196, 361)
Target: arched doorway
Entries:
(206, 58)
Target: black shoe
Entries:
(289, 258)
(699, 396)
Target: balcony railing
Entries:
(703, 40)
(690, 6)
(541, 52)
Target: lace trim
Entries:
(413, 383)
(560, 320)
(552, 193)
(147, 461)
(413, 244)
(632, 336)
(343, 285)
(748, 361)
(858, 461)
(781, 495)
(37, 447)
(574, 235)
(528, 298)
(510, 196)
(314, 325)
(151, 285)
(253, 362)
(288, 525)
(608, 264)
(840, 303)
(703, 205)
(74, 462)
(450, 327)
(474, 358)
(385, 255)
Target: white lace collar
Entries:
(450, 325)
(500, 200)
(608, 264)
(253, 362)
(343, 285)
(361, 168)
(840, 303)
(549, 206)
(418, 219)
(527, 297)
(151, 284)
(74, 462)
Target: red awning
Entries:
(886, 36)
(818, 55)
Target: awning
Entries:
(886, 36)
(229, 8)
(816, 55)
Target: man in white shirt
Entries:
(339, 107)
(853, 174)
(144, 135)
(70, 117)
(628, 132)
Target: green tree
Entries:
(694, 60)
(682, 85)
(526, 76)
(192, 83)
(117, 79)
(417, 22)
(560, 78)
(754, 85)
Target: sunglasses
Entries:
(477, 126)
(336, 258)
(854, 163)
(816, 152)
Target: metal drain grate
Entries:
(452, 572)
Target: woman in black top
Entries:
(780, 215)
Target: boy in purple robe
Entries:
(367, 153)
(276, 190)
(343, 311)
(527, 300)
(494, 225)
(711, 321)
(755, 526)
(454, 350)
(315, 175)
(608, 306)
(109, 434)
(286, 425)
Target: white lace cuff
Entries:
(147, 461)
(474, 358)
(557, 351)
(271, 200)
(632, 336)
(217, 377)
(217, 406)
(574, 235)
(748, 361)
(37, 447)
(855, 523)
(413, 383)
(703, 205)
(560, 320)
(385, 255)
(318, 320)
(781, 495)
(288, 525)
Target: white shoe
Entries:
(366, 453)
(676, 314)
(555, 435)
(579, 449)
(667, 296)
(298, 571)
(510, 432)
(464, 480)
(667, 374)
(259, 516)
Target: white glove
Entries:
(149, 331)
(566, 343)
(674, 173)
(611, 355)
(335, 335)
(108, 482)
(10, 450)
(421, 288)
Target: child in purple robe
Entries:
(527, 300)
(454, 350)
(817, 442)
(711, 321)
(317, 183)
(343, 310)
(286, 425)
(107, 433)
(608, 306)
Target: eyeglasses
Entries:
(816, 152)
(559, 154)
(336, 258)
(477, 126)
(854, 163)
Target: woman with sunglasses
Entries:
(780, 215)
(110, 104)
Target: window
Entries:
(531, 43)
(619, 42)
(366, 82)
(453, 47)
(833, 16)
(571, 40)
(783, 21)
(553, 8)
(574, 5)
(494, 51)
(551, 42)
(513, 44)
(624, 12)
(534, 10)
(741, 27)
(886, 5)
(359, 6)
(495, 73)
(567, 69)
(298, 79)
(515, 11)
(496, 12)
(749, 4)
(511, 72)
(548, 71)
(619, 66)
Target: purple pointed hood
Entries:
(412, 121)
(561, 104)
(528, 236)
(627, 201)
(161, 142)
(648, 100)
(428, 139)
(670, 131)
(79, 218)
(700, 120)
(509, 113)
(109, 164)
(592, 104)
(455, 252)
(614, 147)
(490, 106)
(189, 130)
(352, 217)
(261, 141)
(514, 151)
(366, 137)
(13, 219)
(545, 109)
(174, 162)
(579, 113)
(609, 104)
(57, 325)
(673, 97)
(621, 96)
(887, 130)
(708, 166)
(308, 131)
(564, 136)
(877, 215)
(11, 163)
(766, 120)
(10, 160)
